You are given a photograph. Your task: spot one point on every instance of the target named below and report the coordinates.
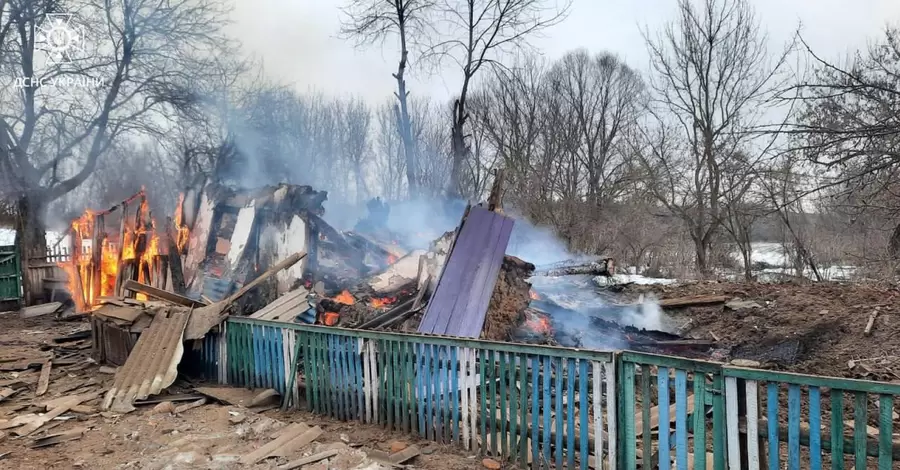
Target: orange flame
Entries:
(533, 295)
(345, 298)
(379, 302)
(330, 318)
(391, 259)
(94, 278)
(184, 234)
(539, 324)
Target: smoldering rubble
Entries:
(270, 254)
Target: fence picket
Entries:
(731, 422)
(753, 424)
(772, 416)
(665, 460)
(581, 407)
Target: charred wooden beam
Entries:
(174, 256)
(602, 268)
(151, 291)
(495, 200)
(401, 309)
(123, 225)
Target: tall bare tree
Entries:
(713, 77)
(376, 20)
(605, 99)
(849, 126)
(479, 33)
(138, 59)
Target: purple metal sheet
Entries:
(461, 299)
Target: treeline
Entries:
(673, 169)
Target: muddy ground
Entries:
(815, 328)
(212, 436)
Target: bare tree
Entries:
(712, 79)
(143, 59)
(375, 20)
(390, 165)
(849, 127)
(605, 98)
(479, 33)
(354, 134)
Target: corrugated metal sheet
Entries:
(464, 291)
(152, 364)
(285, 308)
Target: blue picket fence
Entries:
(550, 407)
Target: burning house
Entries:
(269, 254)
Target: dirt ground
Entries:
(821, 325)
(212, 436)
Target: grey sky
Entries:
(297, 39)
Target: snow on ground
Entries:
(770, 253)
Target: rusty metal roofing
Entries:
(153, 363)
(464, 291)
(285, 308)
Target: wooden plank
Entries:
(44, 380)
(665, 416)
(731, 422)
(772, 416)
(123, 312)
(753, 424)
(298, 443)
(885, 428)
(286, 436)
(61, 408)
(308, 460)
(240, 237)
(815, 418)
(53, 439)
(151, 291)
(611, 413)
(41, 310)
(681, 418)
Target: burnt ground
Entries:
(201, 438)
(815, 328)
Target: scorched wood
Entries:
(151, 291)
(174, 260)
(603, 268)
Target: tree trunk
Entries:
(748, 268)
(31, 239)
(458, 154)
(702, 251)
(894, 246)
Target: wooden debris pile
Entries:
(47, 386)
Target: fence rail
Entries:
(550, 407)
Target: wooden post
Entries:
(174, 260)
(119, 270)
(75, 259)
(97, 257)
(495, 200)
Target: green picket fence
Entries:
(550, 407)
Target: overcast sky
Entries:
(297, 39)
